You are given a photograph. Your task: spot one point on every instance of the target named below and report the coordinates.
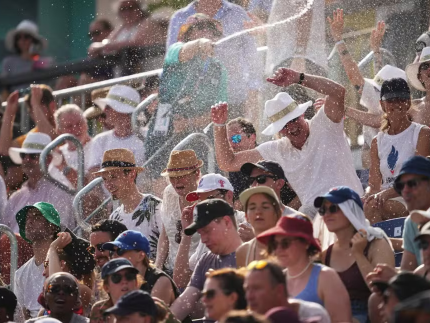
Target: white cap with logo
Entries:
(210, 182)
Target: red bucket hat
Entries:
(291, 227)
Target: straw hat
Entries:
(34, 143)
(95, 111)
(412, 70)
(386, 73)
(120, 158)
(25, 27)
(121, 98)
(281, 110)
(182, 162)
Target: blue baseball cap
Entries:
(337, 195)
(415, 165)
(129, 240)
(115, 265)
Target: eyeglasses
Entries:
(117, 278)
(261, 179)
(23, 36)
(92, 249)
(331, 209)
(412, 183)
(120, 252)
(94, 33)
(423, 244)
(209, 294)
(45, 263)
(284, 243)
(178, 235)
(291, 121)
(55, 289)
(217, 195)
(31, 156)
(424, 67)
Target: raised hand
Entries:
(336, 25)
(284, 77)
(219, 113)
(376, 37)
(187, 216)
(12, 104)
(36, 95)
(64, 238)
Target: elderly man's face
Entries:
(72, 123)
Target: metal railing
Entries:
(81, 162)
(139, 109)
(13, 253)
(387, 57)
(78, 201)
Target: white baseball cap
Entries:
(386, 73)
(210, 182)
(121, 98)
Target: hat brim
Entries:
(117, 106)
(333, 199)
(115, 244)
(166, 173)
(93, 112)
(110, 169)
(373, 83)
(277, 126)
(265, 236)
(246, 194)
(115, 270)
(16, 158)
(115, 310)
(419, 216)
(412, 75)
(191, 229)
(247, 168)
(10, 39)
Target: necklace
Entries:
(301, 273)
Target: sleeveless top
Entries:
(310, 292)
(152, 275)
(394, 150)
(352, 278)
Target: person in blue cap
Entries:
(358, 248)
(134, 246)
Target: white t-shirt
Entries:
(313, 312)
(107, 140)
(28, 286)
(370, 100)
(71, 156)
(145, 218)
(394, 150)
(325, 160)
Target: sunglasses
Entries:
(217, 195)
(120, 252)
(423, 244)
(424, 67)
(117, 278)
(261, 179)
(211, 293)
(331, 209)
(45, 263)
(284, 243)
(23, 36)
(92, 249)
(55, 289)
(412, 183)
(178, 235)
(291, 121)
(31, 156)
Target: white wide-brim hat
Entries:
(388, 72)
(280, 110)
(27, 27)
(121, 98)
(412, 70)
(34, 143)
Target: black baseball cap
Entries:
(7, 299)
(136, 301)
(404, 285)
(266, 165)
(115, 265)
(396, 88)
(206, 211)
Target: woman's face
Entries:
(261, 213)
(24, 42)
(121, 283)
(334, 221)
(288, 250)
(216, 303)
(61, 294)
(129, 11)
(396, 109)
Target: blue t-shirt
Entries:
(410, 232)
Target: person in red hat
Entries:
(291, 241)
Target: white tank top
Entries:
(394, 150)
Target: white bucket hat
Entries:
(412, 70)
(27, 27)
(34, 143)
(210, 182)
(281, 110)
(121, 98)
(386, 73)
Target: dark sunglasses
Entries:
(178, 235)
(423, 244)
(261, 179)
(215, 196)
(291, 121)
(31, 156)
(284, 243)
(45, 263)
(331, 209)
(120, 252)
(94, 33)
(424, 67)
(24, 36)
(55, 289)
(412, 183)
(117, 278)
(92, 249)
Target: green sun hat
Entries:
(48, 211)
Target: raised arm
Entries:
(7, 123)
(226, 158)
(365, 118)
(185, 303)
(43, 124)
(334, 104)
(162, 248)
(423, 144)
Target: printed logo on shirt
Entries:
(392, 159)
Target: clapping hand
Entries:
(219, 113)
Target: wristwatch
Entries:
(302, 77)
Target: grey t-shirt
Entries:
(210, 261)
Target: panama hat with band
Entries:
(181, 163)
(288, 226)
(25, 27)
(95, 111)
(120, 158)
(34, 143)
(121, 98)
(386, 73)
(281, 110)
(48, 211)
(412, 70)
